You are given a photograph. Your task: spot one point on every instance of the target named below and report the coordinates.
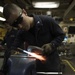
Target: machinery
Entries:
(23, 63)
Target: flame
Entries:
(40, 57)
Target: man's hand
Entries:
(47, 48)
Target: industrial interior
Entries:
(64, 15)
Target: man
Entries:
(36, 30)
(8, 40)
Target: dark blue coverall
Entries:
(45, 30)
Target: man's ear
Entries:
(24, 11)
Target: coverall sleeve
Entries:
(18, 41)
(56, 31)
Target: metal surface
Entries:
(34, 51)
(21, 65)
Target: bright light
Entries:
(48, 12)
(71, 19)
(45, 4)
(40, 57)
(2, 19)
(1, 9)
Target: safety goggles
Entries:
(17, 21)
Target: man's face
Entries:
(20, 21)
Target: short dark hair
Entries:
(9, 9)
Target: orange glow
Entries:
(34, 54)
(40, 57)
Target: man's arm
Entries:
(18, 41)
(57, 35)
(57, 32)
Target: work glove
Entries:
(47, 49)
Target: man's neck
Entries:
(31, 22)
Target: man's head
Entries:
(17, 17)
(10, 10)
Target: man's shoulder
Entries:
(45, 18)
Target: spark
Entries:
(40, 57)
